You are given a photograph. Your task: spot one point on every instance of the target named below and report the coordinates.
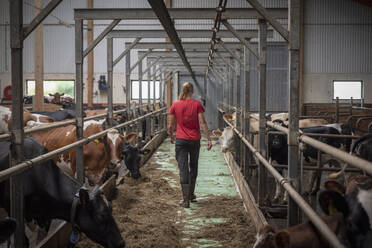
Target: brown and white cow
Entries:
(29, 119)
(99, 155)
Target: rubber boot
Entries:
(186, 196)
(192, 190)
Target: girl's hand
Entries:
(209, 145)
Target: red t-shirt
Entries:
(186, 112)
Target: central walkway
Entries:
(218, 200)
(148, 214)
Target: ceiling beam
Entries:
(175, 13)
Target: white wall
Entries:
(318, 88)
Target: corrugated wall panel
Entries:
(338, 37)
(230, 4)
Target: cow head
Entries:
(277, 141)
(115, 144)
(7, 228)
(132, 155)
(226, 138)
(94, 218)
(266, 238)
(356, 208)
(56, 97)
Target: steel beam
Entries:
(271, 19)
(110, 67)
(175, 13)
(182, 33)
(79, 60)
(102, 35)
(127, 82)
(17, 132)
(161, 11)
(149, 65)
(186, 45)
(27, 30)
(127, 50)
(247, 108)
(240, 38)
(262, 175)
(227, 48)
(189, 54)
(293, 172)
(140, 59)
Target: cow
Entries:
(60, 115)
(304, 235)
(348, 216)
(354, 201)
(7, 228)
(362, 148)
(29, 119)
(278, 149)
(98, 154)
(51, 194)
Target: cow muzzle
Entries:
(114, 165)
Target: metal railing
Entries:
(324, 230)
(21, 167)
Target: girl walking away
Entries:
(187, 113)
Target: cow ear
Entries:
(217, 133)
(282, 238)
(332, 202)
(129, 138)
(336, 186)
(84, 196)
(228, 117)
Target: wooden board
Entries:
(246, 193)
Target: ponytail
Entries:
(186, 90)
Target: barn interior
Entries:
(295, 70)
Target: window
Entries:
(347, 89)
(53, 86)
(145, 85)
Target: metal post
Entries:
(139, 124)
(351, 106)
(79, 97)
(17, 132)
(337, 117)
(110, 59)
(262, 109)
(231, 86)
(247, 157)
(294, 44)
(127, 83)
(154, 101)
(239, 151)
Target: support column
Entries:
(231, 86)
(17, 132)
(79, 97)
(39, 62)
(294, 28)
(139, 124)
(238, 108)
(262, 109)
(110, 59)
(247, 100)
(127, 83)
(90, 37)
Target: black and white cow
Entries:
(7, 228)
(60, 115)
(356, 207)
(278, 148)
(49, 194)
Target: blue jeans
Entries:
(187, 155)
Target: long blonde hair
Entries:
(186, 90)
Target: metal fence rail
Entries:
(324, 230)
(21, 167)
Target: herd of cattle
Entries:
(347, 207)
(50, 188)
